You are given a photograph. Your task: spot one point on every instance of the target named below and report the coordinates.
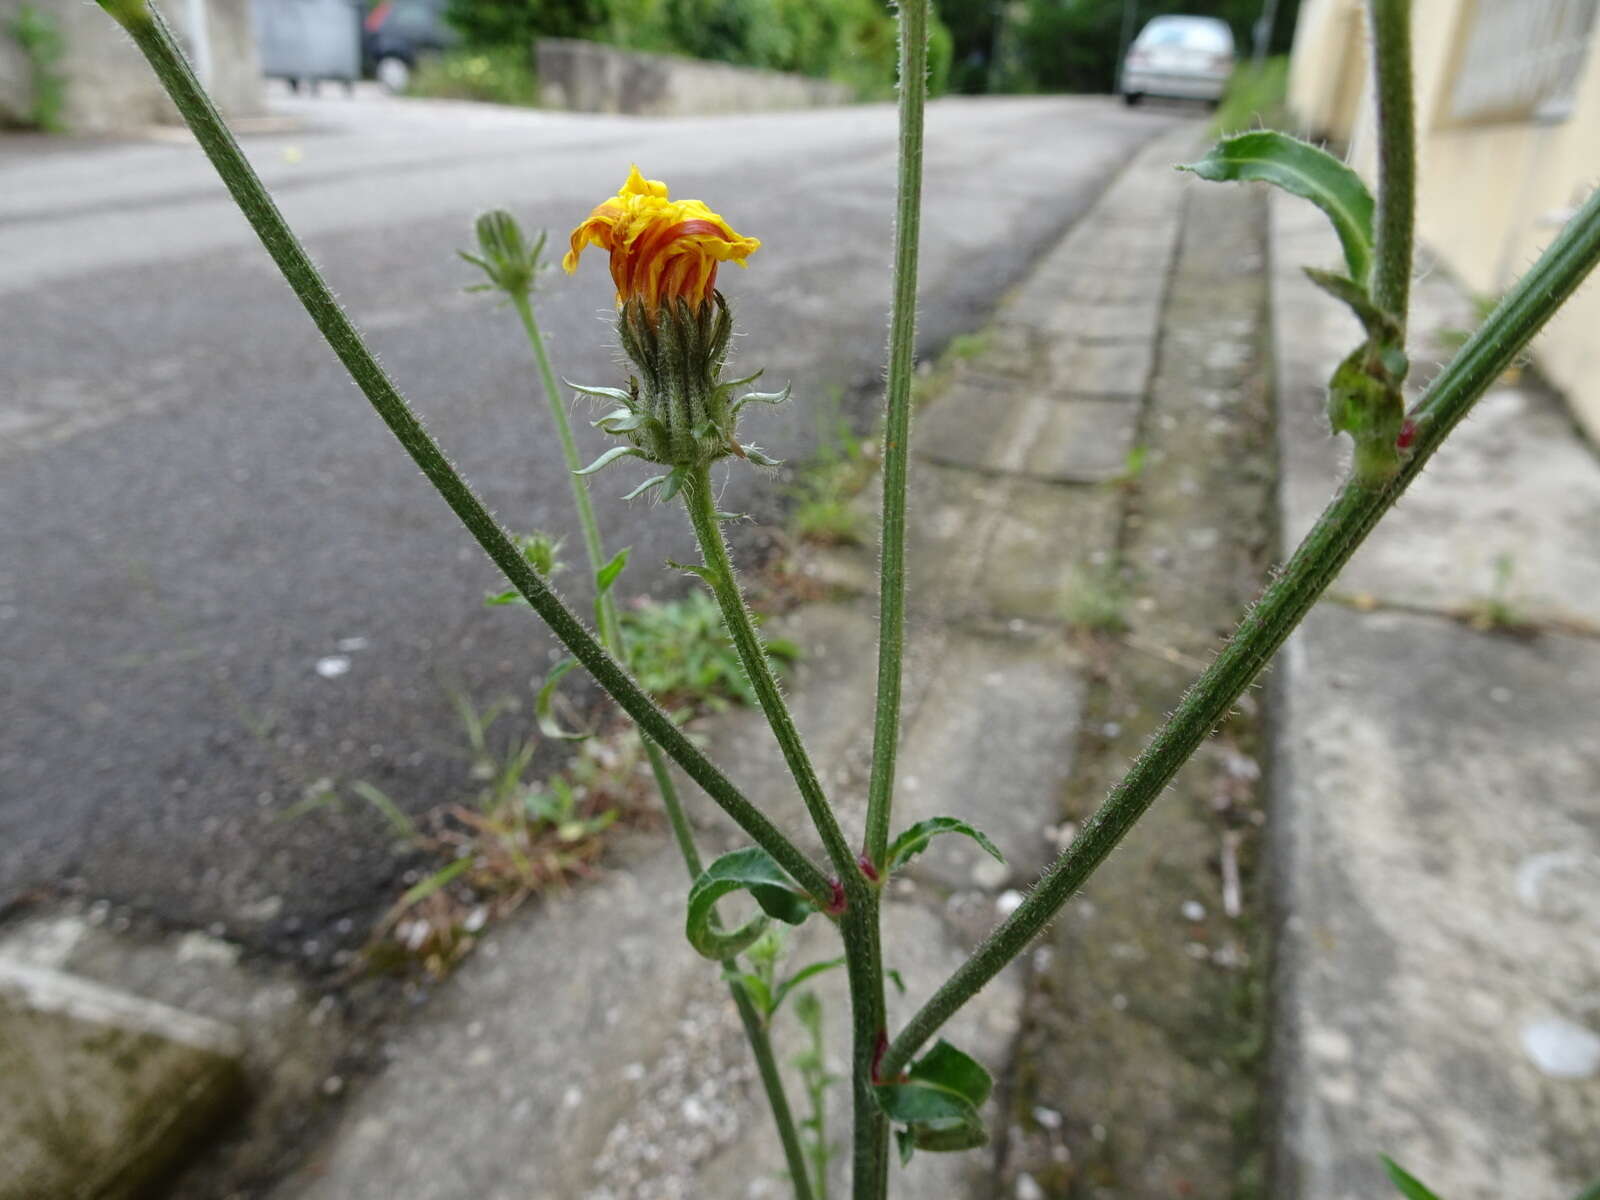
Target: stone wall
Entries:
(587, 77)
(110, 88)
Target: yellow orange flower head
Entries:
(661, 249)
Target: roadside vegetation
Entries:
(489, 74)
(849, 41)
(36, 35)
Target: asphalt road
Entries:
(200, 508)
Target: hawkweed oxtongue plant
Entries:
(512, 265)
(679, 413)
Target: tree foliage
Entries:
(849, 40)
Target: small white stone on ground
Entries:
(1561, 1048)
(332, 666)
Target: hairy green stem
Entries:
(755, 1029)
(702, 506)
(1397, 157)
(156, 42)
(869, 1175)
(1342, 528)
(897, 427)
(610, 629)
(755, 1032)
(862, 935)
(858, 924)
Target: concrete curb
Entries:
(100, 1091)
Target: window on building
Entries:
(1522, 60)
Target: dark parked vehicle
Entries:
(1186, 58)
(396, 34)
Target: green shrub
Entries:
(506, 23)
(41, 43)
(496, 75)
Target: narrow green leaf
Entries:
(607, 575)
(645, 487)
(620, 420)
(895, 978)
(427, 887)
(404, 827)
(544, 703)
(510, 596)
(604, 393)
(705, 573)
(915, 840)
(674, 484)
(752, 870)
(610, 456)
(1410, 1187)
(1303, 170)
(1351, 293)
(760, 398)
(800, 976)
(761, 460)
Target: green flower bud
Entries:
(504, 255)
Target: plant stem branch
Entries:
(869, 1176)
(702, 506)
(897, 427)
(1342, 528)
(755, 1029)
(610, 629)
(156, 42)
(1396, 119)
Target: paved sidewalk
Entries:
(1438, 792)
(584, 1050)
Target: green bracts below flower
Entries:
(678, 411)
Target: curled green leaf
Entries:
(915, 840)
(938, 1102)
(752, 870)
(1303, 170)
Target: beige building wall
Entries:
(1491, 194)
(110, 88)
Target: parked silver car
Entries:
(1188, 58)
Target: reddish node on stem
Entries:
(867, 869)
(836, 905)
(879, 1049)
(1408, 434)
